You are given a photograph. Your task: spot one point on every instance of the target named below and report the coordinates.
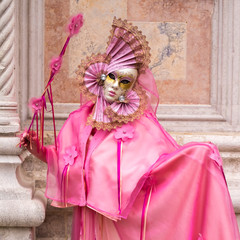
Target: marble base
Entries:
(16, 233)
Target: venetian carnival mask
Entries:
(118, 82)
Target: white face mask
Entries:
(118, 83)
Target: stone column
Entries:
(20, 209)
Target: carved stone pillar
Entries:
(9, 121)
(20, 209)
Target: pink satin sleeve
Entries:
(73, 181)
(190, 200)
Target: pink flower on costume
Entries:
(70, 155)
(125, 132)
(36, 104)
(55, 64)
(75, 25)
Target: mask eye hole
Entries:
(111, 75)
(125, 81)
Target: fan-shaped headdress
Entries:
(127, 48)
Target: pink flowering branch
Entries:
(55, 64)
(75, 24)
(74, 27)
(38, 104)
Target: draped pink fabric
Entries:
(189, 197)
(148, 83)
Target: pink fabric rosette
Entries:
(129, 107)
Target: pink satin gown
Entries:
(151, 189)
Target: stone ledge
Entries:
(22, 213)
(10, 233)
(8, 146)
(226, 142)
(9, 125)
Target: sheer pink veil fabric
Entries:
(147, 82)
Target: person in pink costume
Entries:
(125, 176)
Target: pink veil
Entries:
(147, 81)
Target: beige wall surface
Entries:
(179, 34)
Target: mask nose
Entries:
(115, 84)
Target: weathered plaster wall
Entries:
(179, 34)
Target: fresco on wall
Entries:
(168, 48)
(179, 34)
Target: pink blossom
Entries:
(125, 132)
(75, 24)
(70, 155)
(55, 64)
(36, 104)
(22, 135)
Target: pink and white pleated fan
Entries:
(92, 77)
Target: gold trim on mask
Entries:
(125, 81)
